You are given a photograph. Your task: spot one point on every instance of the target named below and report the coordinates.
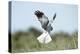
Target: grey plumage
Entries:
(45, 23)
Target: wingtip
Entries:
(54, 16)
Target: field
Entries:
(26, 41)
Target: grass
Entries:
(27, 41)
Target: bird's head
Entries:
(39, 14)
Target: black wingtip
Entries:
(54, 16)
(38, 13)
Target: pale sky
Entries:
(23, 16)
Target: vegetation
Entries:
(26, 41)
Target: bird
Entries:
(43, 19)
(46, 25)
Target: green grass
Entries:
(27, 41)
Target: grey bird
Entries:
(45, 23)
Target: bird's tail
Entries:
(51, 21)
(44, 38)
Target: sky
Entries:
(23, 16)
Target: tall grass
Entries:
(27, 41)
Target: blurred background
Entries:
(25, 27)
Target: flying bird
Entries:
(45, 22)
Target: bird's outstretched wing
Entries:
(51, 21)
(54, 16)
